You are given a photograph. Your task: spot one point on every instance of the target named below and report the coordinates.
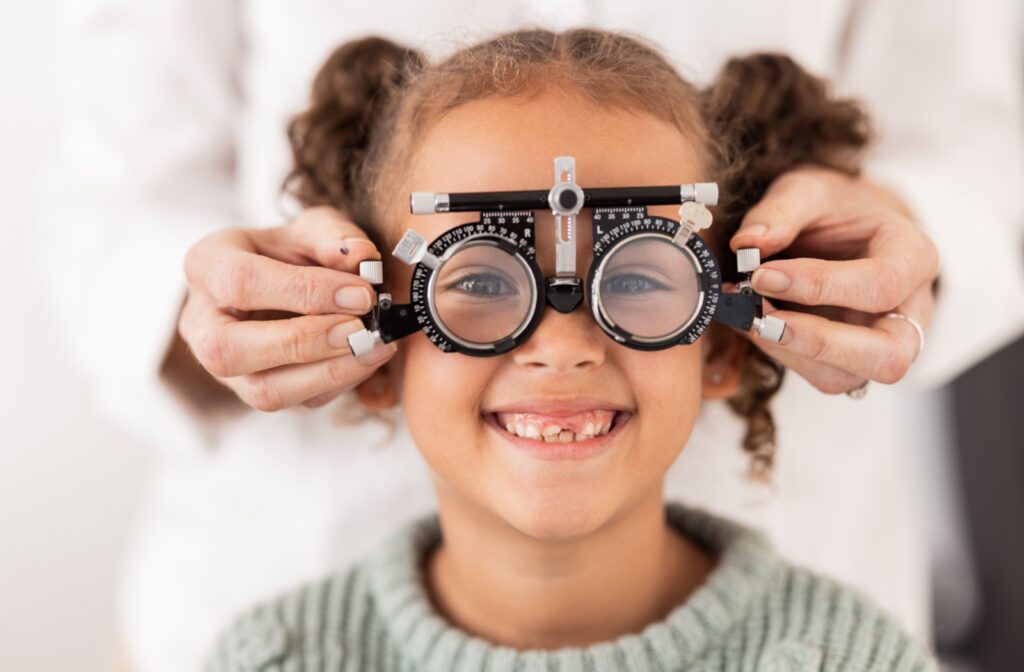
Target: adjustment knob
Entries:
(770, 328)
(422, 203)
(706, 193)
(372, 271)
(566, 199)
(748, 259)
(696, 214)
(363, 341)
(414, 249)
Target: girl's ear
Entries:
(723, 363)
(379, 390)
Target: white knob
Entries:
(748, 259)
(770, 328)
(372, 271)
(706, 193)
(422, 203)
(363, 341)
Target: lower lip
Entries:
(556, 450)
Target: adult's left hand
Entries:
(849, 252)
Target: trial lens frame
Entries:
(507, 221)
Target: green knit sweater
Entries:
(754, 612)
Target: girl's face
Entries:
(568, 373)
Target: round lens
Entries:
(649, 287)
(482, 294)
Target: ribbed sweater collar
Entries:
(744, 571)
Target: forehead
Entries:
(510, 144)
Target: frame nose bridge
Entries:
(546, 226)
(564, 293)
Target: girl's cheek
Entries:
(442, 389)
(668, 384)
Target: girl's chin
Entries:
(547, 526)
(556, 491)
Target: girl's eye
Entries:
(631, 283)
(482, 284)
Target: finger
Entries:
(198, 314)
(291, 385)
(322, 236)
(323, 400)
(792, 202)
(920, 306)
(895, 268)
(824, 377)
(866, 352)
(248, 281)
(237, 348)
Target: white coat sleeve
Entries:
(944, 85)
(141, 168)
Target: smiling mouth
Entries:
(584, 427)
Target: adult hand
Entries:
(851, 252)
(269, 311)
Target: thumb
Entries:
(322, 236)
(791, 203)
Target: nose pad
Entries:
(564, 294)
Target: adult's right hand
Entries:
(304, 274)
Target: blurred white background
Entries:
(57, 460)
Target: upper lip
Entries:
(559, 407)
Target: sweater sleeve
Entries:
(288, 631)
(142, 167)
(826, 625)
(944, 83)
(256, 641)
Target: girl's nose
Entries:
(563, 342)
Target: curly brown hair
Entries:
(762, 116)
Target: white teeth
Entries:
(555, 434)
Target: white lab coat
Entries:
(172, 124)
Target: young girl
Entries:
(563, 555)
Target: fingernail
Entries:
(753, 230)
(337, 336)
(353, 298)
(770, 280)
(380, 352)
